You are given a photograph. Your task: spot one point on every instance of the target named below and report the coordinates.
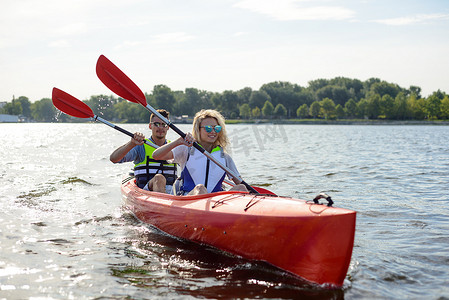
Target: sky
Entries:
(219, 45)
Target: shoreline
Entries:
(337, 122)
(285, 121)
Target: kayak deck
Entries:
(309, 240)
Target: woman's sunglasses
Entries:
(209, 128)
(160, 125)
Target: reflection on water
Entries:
(64, 233)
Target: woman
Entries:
(199, 174)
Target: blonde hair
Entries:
(222, 139)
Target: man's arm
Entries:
(121, 151)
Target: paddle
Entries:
(260, 190)
(122, 85)
(76, 108)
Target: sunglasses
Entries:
(160, 125)
(209, 128)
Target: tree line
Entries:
(330, 99)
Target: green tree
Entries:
(193, 101)
(339, 111)
(367, 84)
(373, 106)
(151, 100)
(415, 107)
(324, 92)
(419, 112)
(164, 98)
(400, 107)
(304, 97)
(339, 89)
(102, 105)
(283, 92)
(204, 100)
(13, 108)
(258, 98)
(130, 113)
(218, 101)
(188, 102)
(26, 106)
(182, 106)
(315, 109)
(244, 95)
(385, 88)
(416, 90)
(245, 111)
(353, 87)
(121, 111)
(267, 109)
(315, 85)
(43, 110)
(351, 108)
(328, 108)
(338, 94)
(277, 90)
(280, 110)
(255, 112)
(387, 106)
(444, 107)
(433, 104)
(362, 108)
(302, 112)
(230, 104)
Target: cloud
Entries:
(417, 19)
(289, 10)
(59, 44)
(164, 38)
(129, 44)
(240, 33)
(72, 29)
(172, 37)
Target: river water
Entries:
(64, 233)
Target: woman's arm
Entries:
(165, 152)
(231, 165)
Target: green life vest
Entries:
(149, 167)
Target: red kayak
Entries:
(310, 240)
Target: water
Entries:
(64, 233)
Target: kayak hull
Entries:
(312, 241)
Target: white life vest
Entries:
(201, 170)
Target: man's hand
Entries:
(138, 138)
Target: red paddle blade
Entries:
(263, 191)
(118, 82)
(70, 105)
(260, 190)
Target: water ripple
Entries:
(63, 233)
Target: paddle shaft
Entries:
(182, 134)
(97, 118)
(201, 149)
(122, 85)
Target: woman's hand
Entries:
(188, 140)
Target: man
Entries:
(153, 175)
